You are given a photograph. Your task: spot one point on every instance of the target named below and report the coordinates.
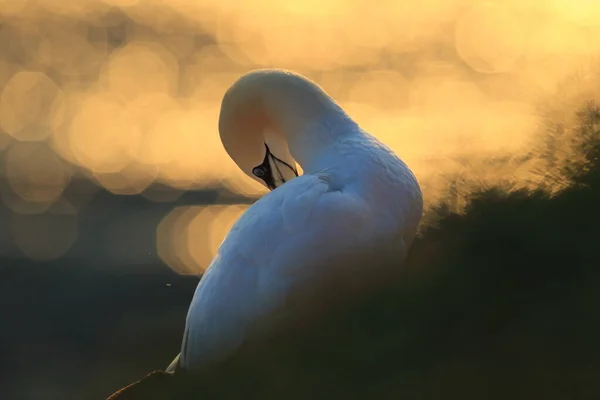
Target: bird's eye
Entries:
(258, 171)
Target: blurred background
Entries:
(114, 188)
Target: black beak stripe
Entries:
(265, 172)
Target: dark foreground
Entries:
(499, 303)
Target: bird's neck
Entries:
(322, 144)
(312, 124)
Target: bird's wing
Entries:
(266, 251)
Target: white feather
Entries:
(355, 193)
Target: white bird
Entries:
(354, 192)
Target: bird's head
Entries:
(253, 137)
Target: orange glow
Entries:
(128, 91)
(489, 38)
(188, 237)
(134, 178)
(41, 181)
(140, 69)
(104, 136)
(31, 106)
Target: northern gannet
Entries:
(354, 193)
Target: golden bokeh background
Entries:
(126, 94)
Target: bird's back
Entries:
(367, 198)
